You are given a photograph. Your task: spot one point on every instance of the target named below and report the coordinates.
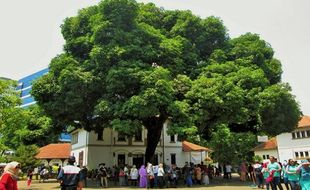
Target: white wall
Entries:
(107, 150)
(287, 146)
(285, 140)
(273, 152)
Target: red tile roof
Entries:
(269, 145)
(187, 147)
(304, 122)
(52, 151)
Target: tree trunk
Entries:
(154, 127)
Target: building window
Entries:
(306, 154)
(100, 136)
(173, 158)
(303, 134)
(121, 137)
(172, 138)
(265, 157)
(297, 135)
(296, 155)
(301, 154)
(138, 136)
(308, 133)
(74, 139)
(293, 136)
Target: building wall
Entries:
(25, 85)
(265, 154)
(294, 148)
(111, 151)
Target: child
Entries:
(29, 177)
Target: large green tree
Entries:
(9, 110)
(21, 126)
(231, 146)
(28, 127)
(127, 65)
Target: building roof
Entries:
(187, 147)
(271, 144)
(52, 151)
(304, 122)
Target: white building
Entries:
(112, 148)
(294, 145)
(267, 149)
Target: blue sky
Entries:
(30, 32)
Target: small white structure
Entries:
(113, 148)
(267, 149)
(294, 145)
(54, 154)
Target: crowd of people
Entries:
(269, 175)
(272, 174)
(150, 175)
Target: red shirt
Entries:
(7, 182)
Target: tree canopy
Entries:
(21, 126)
(127, 65)
(9, 102)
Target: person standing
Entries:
(258, 174)
(275, 168)
(84, 172)
(243, 171)
(188, 175)
(9, 177)
(134, 175)
(143, 176)
(228, 170)
(198, 174)
(292, 175)
(150, 175)
(126, 171)
(70, 176)
(103, 175)
(160, 175)
(304, 170)
(266, 175)
(284, 174)
(29, 177)
(155, 169)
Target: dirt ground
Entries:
(217, 184)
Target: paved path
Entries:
(218, 184)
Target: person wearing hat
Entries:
(70, 176)
(9, 177)
(304, 170)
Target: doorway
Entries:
(138, 160)
(121, 160)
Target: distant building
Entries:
(24, 87)
(294, 145)
(113, 148)
(54, 154)
(267, 149)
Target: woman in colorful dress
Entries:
(304, 170)
(292, 175)
(266, 174)
(143, 177)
